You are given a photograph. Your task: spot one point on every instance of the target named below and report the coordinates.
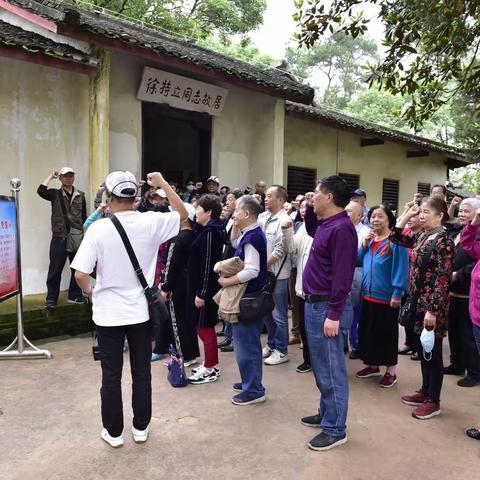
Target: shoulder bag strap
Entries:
(131, 253)
(64, 210)
(281, 266)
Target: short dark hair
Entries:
(250, 203)
(339, 189)
(392, 221)
(439, 205)
(281, 192)
(443, 187)
(211, 203)
(125, 200)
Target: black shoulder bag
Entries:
(255, 305)
(408, 312)
(156, 306)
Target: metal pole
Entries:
(21, 339)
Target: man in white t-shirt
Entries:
(118, 300)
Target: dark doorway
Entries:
(176, 143)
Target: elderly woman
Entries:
(470, 242)
(463, 350)
(385, 276)
(251, 247)
(427, 305)
(202, 285)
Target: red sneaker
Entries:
(388, 380)
(427, 409)
(414, 400)
(369, 372)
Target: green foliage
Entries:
(431, 48)
(339, 59)
(241, 51)
(191, 18)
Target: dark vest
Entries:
(257, 239)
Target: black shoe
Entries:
(473, 433)
(49, 305)
(237, 387)
(224, 342)
(468, 381)
(304, 368)
(323, 441)
(312, 421)
(221, 333)
(77, 301)
(414, 356)
(405, 351)
(453, 370)
(227, 348)
(354, 355)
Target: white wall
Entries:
(43, 126)
(330, 151)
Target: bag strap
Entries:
(281, 266)
(131, 253)
(64, 210)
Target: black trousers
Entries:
(58, 257)
(432, 369)
(463, 349)
(303, 332)
(110, 342)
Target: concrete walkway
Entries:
(51, 424)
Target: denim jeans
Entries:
(110, 342)
(228, 332)
(277, 321)
(476, 334)
(328, 363)
(248, 352)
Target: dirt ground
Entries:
(50, 426)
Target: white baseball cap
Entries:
(65, 170)
(161, 193)
(215, 179)
(190, 210)
(122, 184)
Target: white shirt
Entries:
(118, 297)
(362, 232)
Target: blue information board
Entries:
(8, 248)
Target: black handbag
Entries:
(256, 305)
(408, 312)
(157, 309)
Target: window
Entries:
(424, 189)
(300, 181)
(390, 193)
(352, 180)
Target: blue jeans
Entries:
(228, 332)
(277, 321)
(328, 363)
(476, 334)
(248, 352)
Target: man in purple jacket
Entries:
(327, 280)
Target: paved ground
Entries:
(50, 427)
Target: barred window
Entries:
(300, 181)
(390, 193)
(352, 180)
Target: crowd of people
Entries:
(348, 273)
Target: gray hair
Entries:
(250, 204)
(473, 202)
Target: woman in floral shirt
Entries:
(433, 295)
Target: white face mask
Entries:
(427, 339)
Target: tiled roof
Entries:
(133, 34)
(339, 119)
(11, 35)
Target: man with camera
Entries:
(119, 302)
(69, 212)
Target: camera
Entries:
(97, 354)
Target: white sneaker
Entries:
(202, 366)
(115, 442)
(276, 358)
(140, 436)
(207, 376)
(267, 351)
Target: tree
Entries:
(339, 59)
(191, 18)
(431, 48)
